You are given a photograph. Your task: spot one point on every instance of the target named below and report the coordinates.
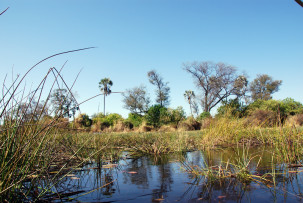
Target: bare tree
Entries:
(263, 87)
(216, 80)
(136, 100)
(162, 91)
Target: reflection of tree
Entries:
(165, 179)
(142, 167)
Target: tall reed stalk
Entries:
(27, 138)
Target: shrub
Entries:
(204, 115)
(263, 118)
(296, 120)
(113, 118)
(83, 120)
(177, 115)
(121, 126)
(189, 124)
(106, 121)
(135, 119)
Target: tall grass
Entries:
(28, 143)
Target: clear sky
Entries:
(135, 36)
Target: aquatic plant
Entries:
(27, 135)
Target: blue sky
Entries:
(135, 36)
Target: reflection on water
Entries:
(162, 179)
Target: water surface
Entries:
(164, 179)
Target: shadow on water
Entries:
(164, 179)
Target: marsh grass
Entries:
(239, 168)
(29, 142)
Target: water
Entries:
(164, 179)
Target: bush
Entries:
(98, 117)
(83, 120)
(204, 115)
(121, 126)
(177, 115)
(113, 118)
(103, 122)
(282, 108)
(135, 119)
(189, 124)
(264, 118)
(296, 120)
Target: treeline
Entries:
(261, 113)
(216, 84)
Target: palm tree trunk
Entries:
(104, 106)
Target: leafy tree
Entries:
(162, 90)
(292, 107)
(136, 100)
(154, 114)
(216, 81)
(233, 107)
(285, 107)
(105, 85)
(64, 104)
(29, 111)
(189, 96)
(240, 86)
(263, 87)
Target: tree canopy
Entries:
(105, 85)
(215, 80)
(162, 91)
(136, 100)
(64, 104)
(263, 86)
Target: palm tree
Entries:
(105, 85)
(189, 95)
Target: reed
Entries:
(28, 141)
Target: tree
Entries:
(136, 100)
(189, 96)
(162, 90)
(240, 86)
(30, 111)
(263, 87)
(154, 114)
(216, 81)
(105, 85)
(64, 104)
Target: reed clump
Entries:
(29, 137)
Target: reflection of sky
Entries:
(170, 182)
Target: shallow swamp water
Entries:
(170, 178)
